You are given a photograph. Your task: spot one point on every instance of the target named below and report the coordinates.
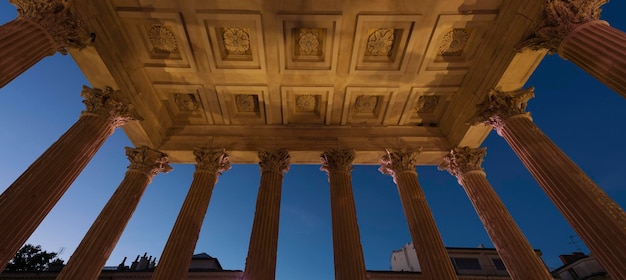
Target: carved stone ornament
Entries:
(306, 103)
(500, 106)
(162, 39)
(246, 102)
(560, 19)
(463, 159)
(366, 103)
(426, 103)
(186, 102)
(212, 160)
(337, 160)
(398, 160)
(148, 161)
(55, 18)
(453, 42)
(236, 40)
(308, 42)
(110, 104)
(380, 42)
(274, 160)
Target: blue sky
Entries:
(578, 113)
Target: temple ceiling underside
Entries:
(307, 75)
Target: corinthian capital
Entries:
(398, 160)
(337, 160)
(274, 160)
(500, 106)
(110, 104)
(212, 160)
(560, 19)
(463, 159)
(54, 17)
(148, 161)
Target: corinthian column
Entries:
(431, 252)
(597, 219)
(349, 262)
(42, 28)
(573, 29)
(518, 256)
(261, 260)
(47, 179)
(179, 248)
(93, 251)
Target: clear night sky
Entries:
(582, 116)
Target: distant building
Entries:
(579, 266)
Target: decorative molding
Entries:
(274, 160)
(454, 42)
(461, 160)
(246, 102)
(398, 160)
(212, 160)
(500, 106)
(110, 104)
(334, 160)
(560, 19)
(186, 102)
(162, 39)
(380, 42)
(236, 40)
(148, 161)
(55, 18)
(366, 104)
(309, 41)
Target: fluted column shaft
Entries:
(45, 181)
(348, 253)
(600, 50)
(93, 251)
(178, 251)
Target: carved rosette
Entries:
(236, 40)
(274, 160)
(337, 160)
(560, 19)
(162, 39)
(246, 102)
(500, 106)
(380, 42)
(462, 160)
(148, 161)
(186, 102)
(308, 42)
(398, 160)
(426, 103)
(366, 104)
(110, 104)
(55, 18)
(212, 160)
(306, 103)
(453, 42)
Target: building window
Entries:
(499, 264)
(466, 263)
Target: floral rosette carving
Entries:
(308, 42)
(236, 40)
(162, 39)
(380, 42)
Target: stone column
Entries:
(573, 29)
(180, 245)
(261, 260)
(42, 28)
(597, 219)
(46, 180)
(431, 252)
(518, 256)
(94, 250)
(348, 253)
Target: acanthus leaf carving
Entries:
(148, 161)
(337, 160)
(461, 160)
(398, 160)
(500, 106)
(212, 160)
(110, 104)
(274, 160)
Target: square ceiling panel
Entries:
(425, 105)
(186, 103)
(307, 105)
(367, 105)
(243, 104)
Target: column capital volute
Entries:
(395, 161)
(148, 161)
(110, 104)
(212, 160)
(55, 18)
(500, 106)
(337, 160)
(560, 18)
(274, 160)
(462, 160)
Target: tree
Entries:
(32, 258)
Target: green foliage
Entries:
(32, 258)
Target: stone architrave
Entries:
(518, 256)
(595, 217)
(42, 28)
(429, 247)
(176, 256)
(572, 29)
(46, 180)
(262, 251)
(96, 247)
(348, 253)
